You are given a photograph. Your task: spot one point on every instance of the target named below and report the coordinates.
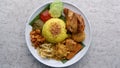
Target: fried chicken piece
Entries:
(79, 37)
(66, 11)
(71, 22)
(74, 22)
(81, 24)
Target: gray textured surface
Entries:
(104, 16)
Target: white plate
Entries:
(54, 63)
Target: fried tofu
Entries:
(76, 49)
(73, 47)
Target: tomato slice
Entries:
(44, 16)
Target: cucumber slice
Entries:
(56, 8)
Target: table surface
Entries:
(103, 15)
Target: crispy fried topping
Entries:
(55, 29)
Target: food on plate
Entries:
(61, 51)
(54, 30)
(33, 21)
(36, 38)
(38, 16)
(78, 37)
(38, 24)
(56, 8)
(81, 24)
(73, 48)
(57, 32)
(46, 50)
(74, 21)
(71, 20)
(45, 15)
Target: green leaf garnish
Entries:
(38, 16)
(63, 18)
(64, 60)
(82, 44)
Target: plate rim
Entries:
(88, 46)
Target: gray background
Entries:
(104, 16)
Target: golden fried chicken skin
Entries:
(74, 22)
(78, 37)
(71, 20)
